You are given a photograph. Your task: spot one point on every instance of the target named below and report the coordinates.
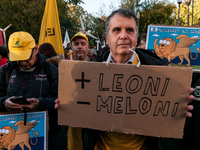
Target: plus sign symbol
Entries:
(82, 80)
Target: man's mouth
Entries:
(79, 51)
(123, 44)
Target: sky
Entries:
(93, 6)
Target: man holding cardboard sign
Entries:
(121, 36)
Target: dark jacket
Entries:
(34, 85)
(147, 58)
(191, 137)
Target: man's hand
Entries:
(14, 107)
(34, 103)
(57, 104)
(190, 107)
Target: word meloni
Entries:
(134, 85)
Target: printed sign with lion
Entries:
(178, 45)
(14, 135)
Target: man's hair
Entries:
(3, 51)
(47, 50)
(123, 12)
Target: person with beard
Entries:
(80, 47)
(28, 78)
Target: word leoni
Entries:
(134, 85)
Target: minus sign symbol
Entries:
(84, 103)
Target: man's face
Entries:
(80, 48)
(122, 35)
(27, 64)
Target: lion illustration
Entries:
(9, 138)
(170, 50)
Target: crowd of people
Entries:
(31, 71)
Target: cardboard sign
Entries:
(16, 135)
(175, 44)
(149, 100)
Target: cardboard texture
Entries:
(149, 100)
(15, 135)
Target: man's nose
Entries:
(123, 34)
(79, 45)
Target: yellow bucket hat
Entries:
(79, 34)
(20, 46)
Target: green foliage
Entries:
(156, 12)
(183, 20)
(94, 25)
(26, 15)
(91, 43)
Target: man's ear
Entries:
(36, 49)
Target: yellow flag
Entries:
(50, 28)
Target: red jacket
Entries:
(3, 61)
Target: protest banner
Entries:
(50, 27)
(149, 100)
(16, 135)
(176, 44)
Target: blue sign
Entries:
(17, 136)
(178, 45)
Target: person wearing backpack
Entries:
(28, 74)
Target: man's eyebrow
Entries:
(116, 28)
(130, 28)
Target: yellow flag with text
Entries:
(50, 28)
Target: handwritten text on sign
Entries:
(150, 100)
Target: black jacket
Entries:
(146, 57)
(35, 85)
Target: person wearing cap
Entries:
(80, 47)
(28, 77)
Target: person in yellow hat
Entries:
(80, 47)
(28, 75)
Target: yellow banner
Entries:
(50, 28)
